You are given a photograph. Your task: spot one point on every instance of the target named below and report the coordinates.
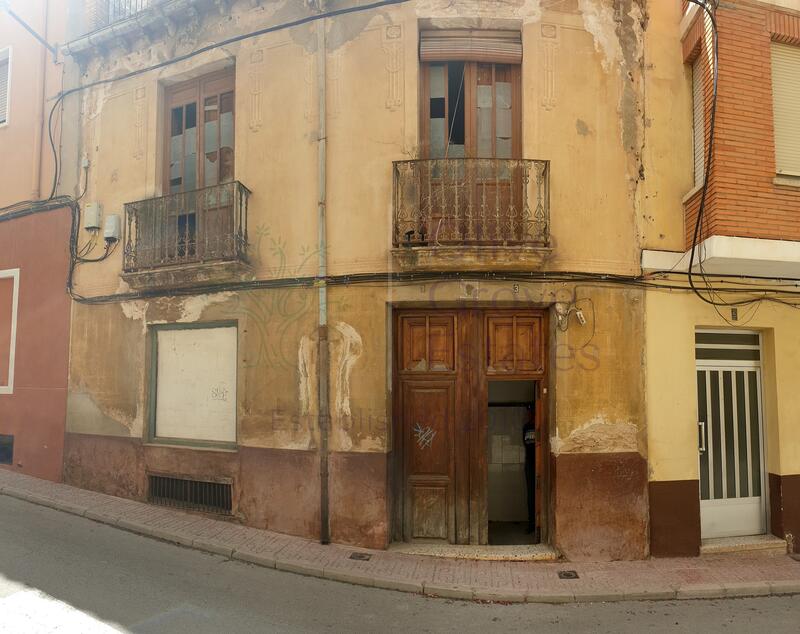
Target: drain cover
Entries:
(360, 556)
(567, 574)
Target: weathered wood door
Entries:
(430, 371)
(442, 362)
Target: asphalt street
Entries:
(59, 572)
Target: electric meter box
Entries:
(91, 216)
(113, 228)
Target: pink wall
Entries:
(35, 412)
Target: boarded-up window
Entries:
(5, 81)
(698, 121)
(786, 107)
(196, 384)
(9, 294)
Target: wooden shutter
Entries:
(786, 107)
(4, 80)
(499, 47)
(698, 121)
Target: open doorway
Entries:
(512, 489)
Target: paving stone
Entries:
(226, 550)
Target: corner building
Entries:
(362, 246)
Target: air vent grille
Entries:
(194, 495)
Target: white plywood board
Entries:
(196, 384)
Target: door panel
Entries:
(515, 344)
(730, 439)
(429, 413)
(428, 343)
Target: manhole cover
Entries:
(567, 574)
(360, 556)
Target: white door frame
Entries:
(717, 516)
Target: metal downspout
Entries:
(323, 352)
(38, 131)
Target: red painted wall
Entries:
(35, 413)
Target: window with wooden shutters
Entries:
(698, 121)
(200, 144)
(786, 107)
(199, 155)
(5, 80)
(471, 94)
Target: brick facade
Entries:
(743, 199)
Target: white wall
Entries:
(196, 384)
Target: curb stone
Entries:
(348, 577)
(395, 584)
(785, 587)
(700, 591)
(302, 569)
(207, 544)
(211, 547)
(500, 596)
(650, 595)
(555, 597)
(448, 592)
(747, 589)
(254, 558)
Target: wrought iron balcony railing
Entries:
(205, 225)
(105, 12)
(462, 201)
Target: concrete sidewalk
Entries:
(740, 574)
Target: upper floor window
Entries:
(5, 80)
(786, 108)
(200, 126)
(698, 121)
(471, 94)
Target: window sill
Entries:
(691, 193)
(783, 180)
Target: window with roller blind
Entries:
(698, 121)
(198, 154)
(5, 81)
(786, 108)
(471, 94)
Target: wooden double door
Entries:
(443, 361)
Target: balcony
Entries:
(106, 12)
(471, 214)
(196, 236)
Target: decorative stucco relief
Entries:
(392, 41)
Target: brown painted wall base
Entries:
(784, 498)
(275, 489)
(675, 518)
(600, 506)
(359, 505)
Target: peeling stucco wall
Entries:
(525, 10)
(598, 436)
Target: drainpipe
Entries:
(323, 353)
(38, 130)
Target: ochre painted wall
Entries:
(671, 320)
